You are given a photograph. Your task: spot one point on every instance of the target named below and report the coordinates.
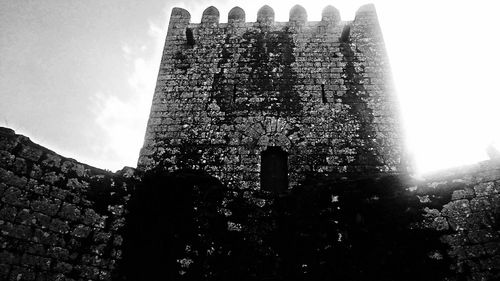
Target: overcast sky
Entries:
(78, 76)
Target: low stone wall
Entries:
(464, 204)
(379, 227)
(63, 220)
(59, 219)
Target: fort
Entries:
(318, 91)
(273, 151)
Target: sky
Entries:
(78, 76)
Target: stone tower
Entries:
(264, 104)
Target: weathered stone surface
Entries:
(319, 90)
(48, 211)
(467, 200)
(226, 92)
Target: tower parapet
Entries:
(179, 20)
(210, 16)
(236, 15)
(265, 15)
(331, 15)
(298, 15)
(316, 93)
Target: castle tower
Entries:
(263, 104)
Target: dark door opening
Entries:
(274, 169)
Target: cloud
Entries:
(123, 116)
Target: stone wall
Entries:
(59, 219)
(63, 220)
(464, 204)
(319, 90)
(375, 227)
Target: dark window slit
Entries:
(234, 93)
(323, 95)
(344, 37)
(189, 37)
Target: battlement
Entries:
(181, 28)
(265, 16)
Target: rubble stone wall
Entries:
(63, 220)
(464, 204)
(320, 90)
(59, 219)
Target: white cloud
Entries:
(124, 119)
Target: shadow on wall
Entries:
(187, 226)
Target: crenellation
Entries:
(366, 11)
(179, 20)
(210, 17)
(236, 15)
(366, 26)
(298, 15)
(265, 15)
(330, 15)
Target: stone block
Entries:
(31, 248)
(101, 237)
(91, 218)
(41, 220)
(59, 226)
(9, 258)
(58, 253)
(52, 177)
(88, 272)
(482, 236)
(4, 269)
(485, 189)
(46, 206)
(63, 267)
(36, 172)
(20, 166)
(20, 232)
(8, 139)
(70, 212)
(9, 178)
(25, 217)
(15, 197)
(36, 261)
(6, 159)
(480, 204)
(52, 160)
(48, 238)
(31, 153)
(456, 208)
(456, 240)
(8, 213)
(440, 224)
(22, 273)
(466, 193)
(81, 231)
(77, 186)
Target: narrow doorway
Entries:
(274, 169)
